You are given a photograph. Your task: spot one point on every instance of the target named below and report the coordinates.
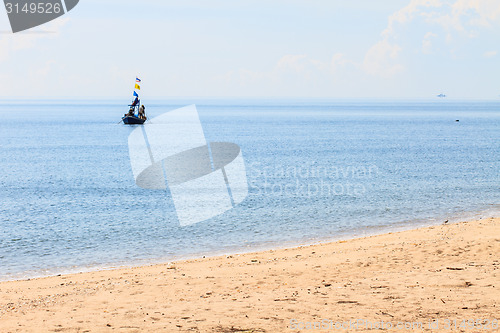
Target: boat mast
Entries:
(138, 87)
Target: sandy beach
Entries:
(428, 279)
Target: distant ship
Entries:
(441, 95)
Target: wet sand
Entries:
(446, 272)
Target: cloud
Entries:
(11, 43)
(477, 12)
(407, 13)
(419, 27)
(380, 60)
(292, 62)
(288, 64)
(490, 54)
(290, 67)
(45, 70)
(292, 74)
(457, 15)
(338, 61)
(427, 43)
(463, 16)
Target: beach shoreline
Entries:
(251, 248)
(440, 272)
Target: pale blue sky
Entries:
(255, 48)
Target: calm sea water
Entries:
(316, 170)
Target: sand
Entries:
(410, 278)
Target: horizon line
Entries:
(90, 98)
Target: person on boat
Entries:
(142, 112)
(131, 111)
(135, 102)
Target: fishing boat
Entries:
(136, 114)
(133, 120)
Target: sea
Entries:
(317, 170)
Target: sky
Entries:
(408, 49)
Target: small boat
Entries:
(441, 95)
(137, 113)
(132, 120)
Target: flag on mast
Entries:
(137, 79)
(138, 87)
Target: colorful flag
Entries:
(138, 87)
(137, 79)
(135, 94)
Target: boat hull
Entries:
(129, 120)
